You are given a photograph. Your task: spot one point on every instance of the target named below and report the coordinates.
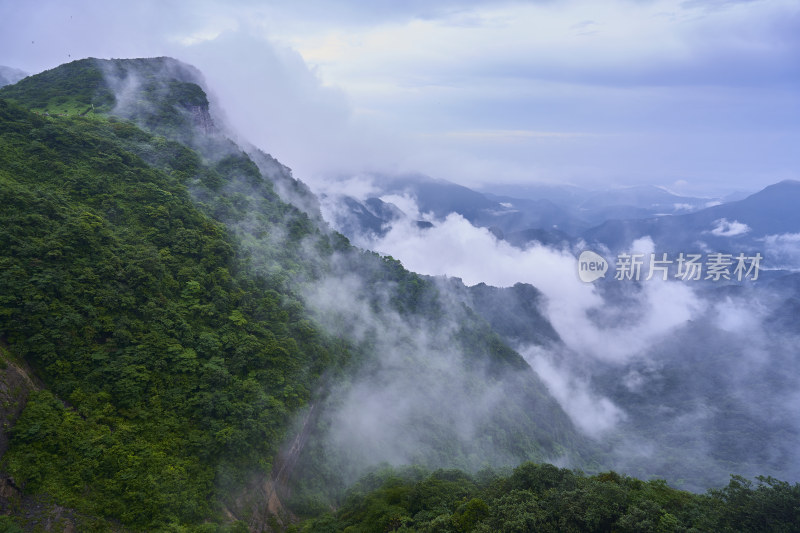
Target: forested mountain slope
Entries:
(186, 324)
(186, 346)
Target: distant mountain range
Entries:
(567, 211)
(732, 226)
(568, 215)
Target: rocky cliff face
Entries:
(15, 387)
(201, 119)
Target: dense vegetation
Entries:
(550, 499)
(154, 281)
(173, 345)
(179, 372)
(79, 87)
(154, 92)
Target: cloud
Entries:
(593, 413)
(504, 40)
(471, 91)
(413, 399)
(272, 99)
(669, 73)
(725, 228)
(484, 92)
(782, 251)
(358, 186)
(623, 343)
(454, 247)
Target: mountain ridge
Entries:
(187, 230)
(770, 211)
(215, 358)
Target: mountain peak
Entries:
(162, 94)
(786, 192)
(785, 185)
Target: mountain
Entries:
(546, 498)
(646, 197)
(205, 347)
(185, 345)
(551, 215)
(514, 312)
(516, 215)
(560, 194)
(371, 216)
(520, 221)
(439, 197)
(734, 227)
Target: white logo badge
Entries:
(591, 266)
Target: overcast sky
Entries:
(698, 96)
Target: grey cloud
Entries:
(671, 381)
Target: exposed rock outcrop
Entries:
(16, 385)
(201, 119)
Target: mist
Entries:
(686, 382)
(664, 378)
(428, 341)
(416, 383)
(411, 395)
